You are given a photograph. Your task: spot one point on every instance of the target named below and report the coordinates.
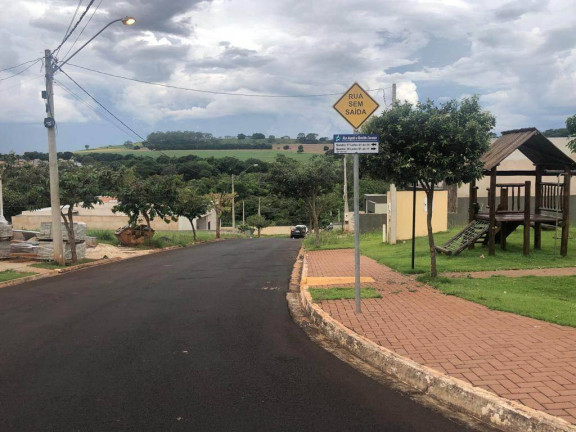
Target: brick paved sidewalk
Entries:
(530, 361)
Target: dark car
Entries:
(298, 231)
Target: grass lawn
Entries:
(551, 299)
(7, 275)
(398, 256)
(319, 294)
(263, 155)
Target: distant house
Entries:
(102, 217)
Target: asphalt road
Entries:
(196, 339)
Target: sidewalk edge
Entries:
(481, 404)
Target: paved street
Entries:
(195, 339)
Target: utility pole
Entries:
(50, 123)
(233, 205)
(243, 218)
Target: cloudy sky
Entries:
(519, 56)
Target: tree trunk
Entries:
(259, 232)
(218, 218)
(315, 220)
(429, 201)
(193, 231)
(69, 224)
(147, 219)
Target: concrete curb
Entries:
(478, 403)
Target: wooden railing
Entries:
(552, 197)
(510, 194)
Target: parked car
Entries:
(298, 231)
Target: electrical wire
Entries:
(91, 107)
(75, 25)
(82, 31)
(3, 89)
(21, 72)
(213, 92)
(71, 20)
(103, 107)
(21, 64)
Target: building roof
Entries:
(532, 144)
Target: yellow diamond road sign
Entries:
(356, 106)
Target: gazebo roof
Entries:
(532, 144)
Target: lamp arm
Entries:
(89, 40)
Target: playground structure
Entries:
(550, 206)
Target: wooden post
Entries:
(566, 213)
(537, 210)
(473, 201)
(503, 206)
(527, 193)
(492, 204)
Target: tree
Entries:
(25, 187)
(128, 144)
(191, 204)
(258, 222)
(241, 136)
(552, 133)
(220, 202)
(86, 146)
(312, 138)
(428, 144)
(286, 147)
(309, 181)
(300, 149)
(147, 198)
(79, 186)
(326, 148)
(258, 135)
(571, 126)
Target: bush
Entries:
(286, 147)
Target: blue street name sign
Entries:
(356, 143)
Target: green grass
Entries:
(104, 236)
(7, 275)
(162, 239)
(51, 265)
(398, 256)
(319, 294)
(263, 155)
(551, 299)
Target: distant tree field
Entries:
(263, 155)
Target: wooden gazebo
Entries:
(551, 199)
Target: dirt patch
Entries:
(110, 251)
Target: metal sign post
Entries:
(356, 106)
(356, 144)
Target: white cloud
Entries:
(517, 55)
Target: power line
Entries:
(19, 84)
(72, 19)
(82, 31)
(214, 92)
(103, 107)
(75, 25)
(21, 64)
(91, 107)
(22, 71)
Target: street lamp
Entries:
(51, 67)
(233, 197)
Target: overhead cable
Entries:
(102, 106)
(72, 20)
(75, 25)
(21, 64)
(82, 31)
(21, 72)
(215, 92)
